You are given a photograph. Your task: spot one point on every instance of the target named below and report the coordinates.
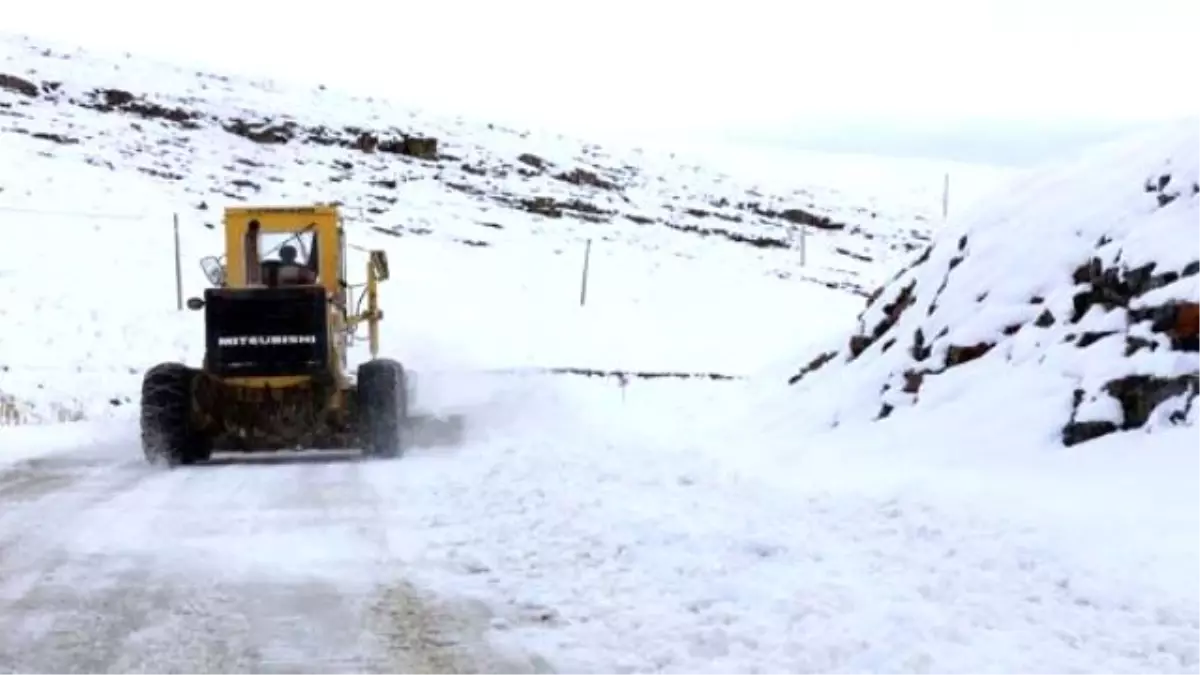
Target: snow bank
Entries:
(1079, 283)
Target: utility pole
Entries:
(798, 234)
(587, 255)
(178, 268)
(946, 197)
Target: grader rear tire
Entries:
(382, 396)
(167, 434)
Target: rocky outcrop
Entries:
(18, 85)
(118, 100)
(1116, 304)
(796, 216)
(585, 177)
(269, 132)
(551, 207)
(812, 366)
(264, 132)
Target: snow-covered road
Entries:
(110, 566)
(567, 533)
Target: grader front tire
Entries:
(382, 396)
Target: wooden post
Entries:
(587, 255)
(178, 268)
(946, 197)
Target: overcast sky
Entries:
(913, 77)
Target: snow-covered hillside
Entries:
(1065, 307)
(486, 227)
(218, 139)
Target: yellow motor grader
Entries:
(279, 319)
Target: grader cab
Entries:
(279, 320)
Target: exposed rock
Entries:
(262, 132)
(543, 206)
(554, 208)
(532, 160)
(956, 355)
(385, 230)
(802, 217)
(858, 345)
(1088, 338)
(57, 138)
(471, 190)
(850, 254)
(1114, 287)
(1160, 187)
(1139, 395)
(1074, 433)
(893, 310)
(411, 146)
(1183, 331)
(1134, 344)
(912, 381)
(244, 183)
(585, 177)
(919, 350)
(363, 142)
(820, 360)
(18, 85)
(159, 173)
(793, 215)
(752, 240)
(119, 100)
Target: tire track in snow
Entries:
(107, 565)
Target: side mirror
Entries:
(214, 271)
(195, 303)
(379, 263)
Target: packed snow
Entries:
(585, 524)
